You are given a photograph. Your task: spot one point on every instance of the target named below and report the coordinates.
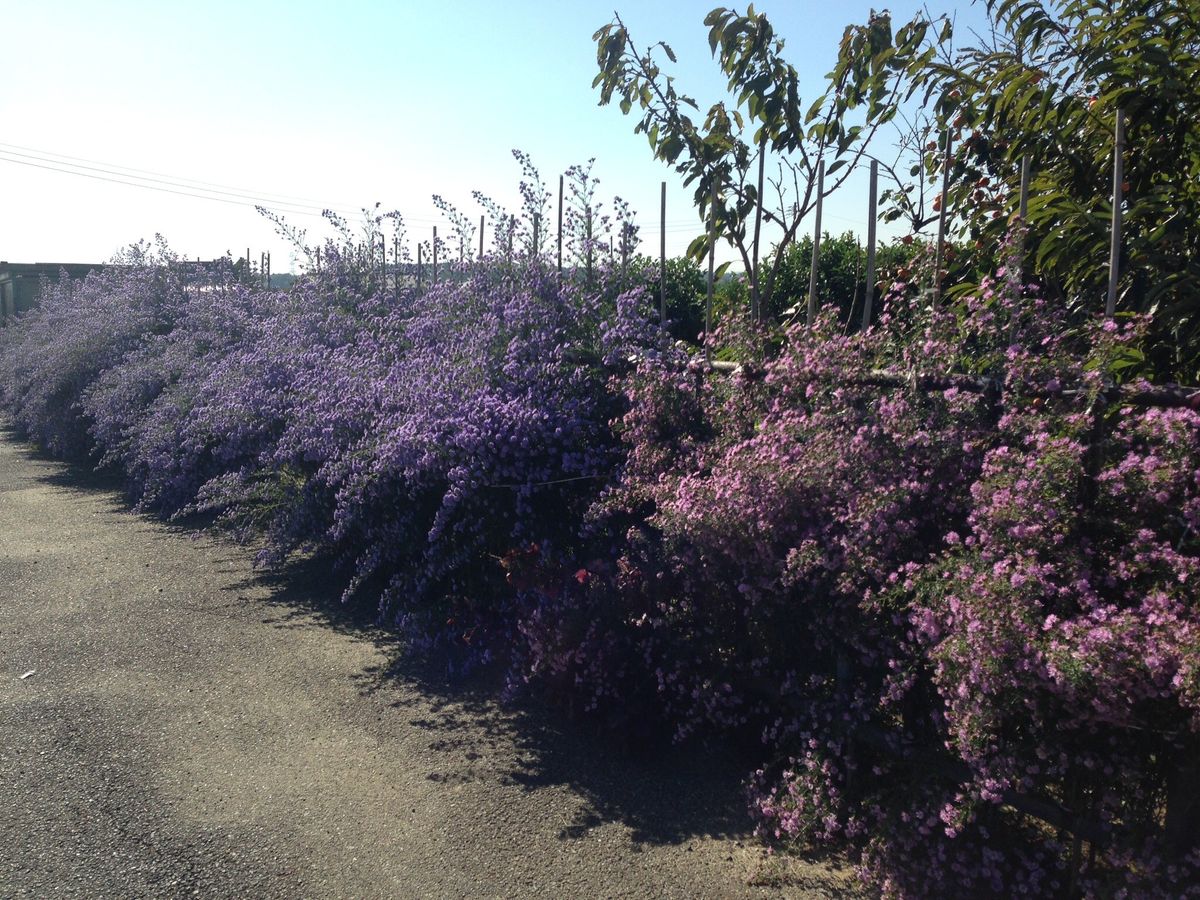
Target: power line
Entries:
(142, 173)
(169, 187)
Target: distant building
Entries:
(20, 283)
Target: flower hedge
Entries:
(941, 568)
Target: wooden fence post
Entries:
(872, 219)
(1118, 196)
(816, 251)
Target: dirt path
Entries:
(191, 729)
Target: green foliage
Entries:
(725, 155)
(841, 276)
(1047, 86)
(687, 291)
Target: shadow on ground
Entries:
(668, 796)
(664, 795)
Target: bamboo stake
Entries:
(712, 250)
(872, 220)
(1118, 195)
(816, 251)
(481, 238)
(625, 237)
(588, 273)
(662, 258)
(941, 234)
(560, 231)
(435, 254)
(756, 306)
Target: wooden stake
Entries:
(1118, 196)
(560, 232)
(481, 238)
(435, 254)
(535, 251)
(872, 220)
(816, 251)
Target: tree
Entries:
(1046, 84)
(727, 155)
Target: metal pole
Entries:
(872, 220)
(1118, 195)
(816, 251)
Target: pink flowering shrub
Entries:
(945, 604)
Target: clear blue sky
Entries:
(340, 105)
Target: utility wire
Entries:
(43, 155)
(179, 184)
(236, 201)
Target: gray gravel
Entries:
(192, 728)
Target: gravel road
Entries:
(174, 724)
